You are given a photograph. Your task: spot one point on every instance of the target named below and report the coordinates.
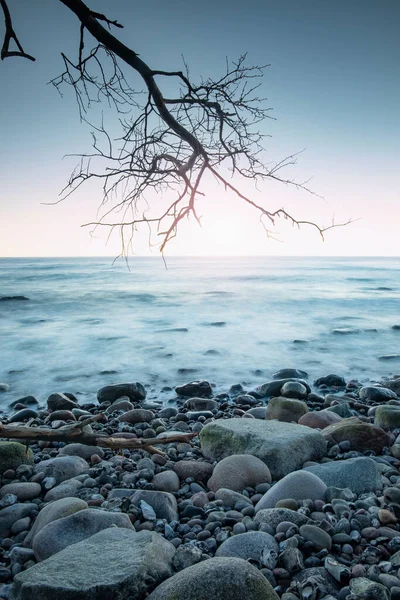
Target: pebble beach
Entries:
(290, 489)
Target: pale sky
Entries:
(333, 84)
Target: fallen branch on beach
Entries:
(82, 433)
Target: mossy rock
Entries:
(387, 417)
(13, 454)
(286, 409)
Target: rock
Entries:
(392, 384)
(198, 469)
(290, 373)
(315, 582)
(58, 401)
(216, 579)
(23, 414)
(137, 415)
(110, 393)
(294, 389)
(13, 454)
(319, 538)
(362, 436)
(115, 563)
(365, 589)
(299, 485)
(61, 415)
(274, 516)
(252, 545)
(185, 557)
(163, 503)
(286, 409)
(359, 474)
(167, 481)
(10, 514)
(260, 412)
(391, 357)
(229, 497)
(81, 450)
(4, 387)
(283, 447)
(194, 388)
(62, 468)
(52, 512)
(26, 401)
(24, 491)
(345, 330)
(201, 404)
(319, 419)
(387, 417)
(66, 489)
(376, 394)
(123, 405)
(238, 472)
(13, 298)
(273, 388)
(63, 532)
(330, 381)
(343, 410)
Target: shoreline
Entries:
(266, 482)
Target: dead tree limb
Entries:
(81, 433)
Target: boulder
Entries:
(254, 545)
(62, 468)
(198, 469)
(373, 393)
(163, 503)
(66, 489)
(387, 416)
(331, 380)
(81, 450)
(274, 516)
(392, 384)
(362, 436)
(299, 485)
(273, 388)
(283, 447)
(110, 393)
(123, 405)
(58, 401)
(194, 388)
(359, 474)
(53, 511)
(229, 497)
(320, 539)
(319, 419)
(294, 389)
(238, 472)
(10, 514)
(216, 579)
(287, 373)
(63, 532)
(286, 409)
(115, 563)
(260, 412)
(137, 415)
(24, 491)
(166, 481)
(13, 454)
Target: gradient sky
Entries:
(333, 83)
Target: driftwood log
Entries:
(82, 433)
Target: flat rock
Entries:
(110, 393)
(238, 472)
(115, 563)
(251, 545)
(58, 534)
(216, 579)
(359, 474)
(137, 415)
(287, 373)
(274, 516)
(194, 388)
(283, 447)
(62, 468)
(24, 490)
(362, 436)
(13, 454)
(299, 485)
(53, 511)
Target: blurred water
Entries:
(228, 320)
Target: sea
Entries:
(91, 322)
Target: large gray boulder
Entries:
(299, 485)
(115, 563)
(255, 545)
(53, 511)
(62, 467)
(216, 579)
(79, 526)
(359, 474)
(283, 447)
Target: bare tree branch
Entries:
(10, 35)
